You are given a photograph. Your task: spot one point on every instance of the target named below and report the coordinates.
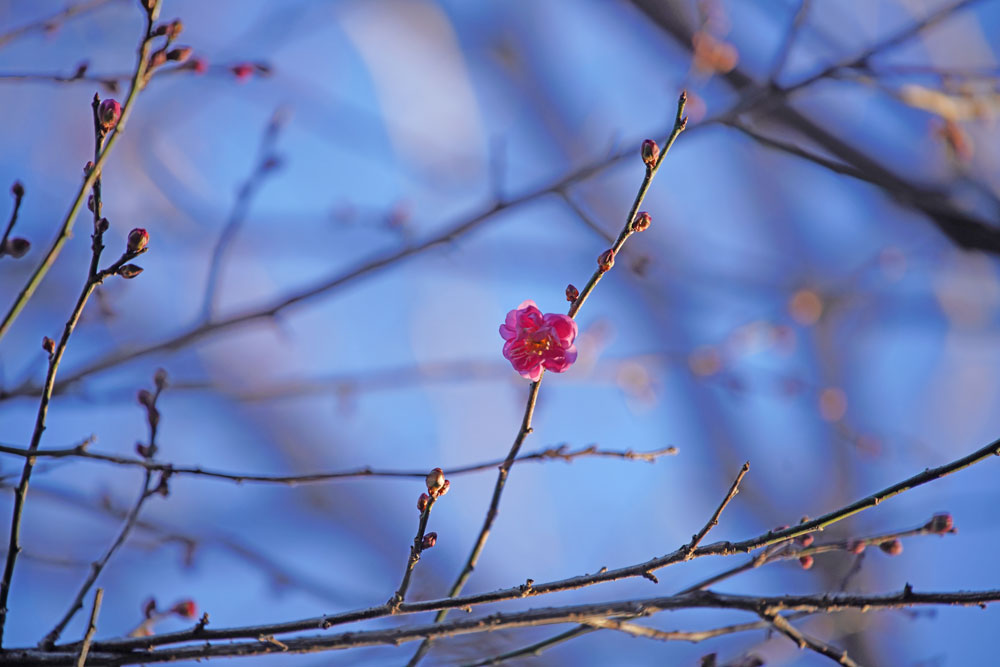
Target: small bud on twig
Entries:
(606, 260)
(572, 293)
(48, 345)
(160, 379)
(806, 562)
(430, 539)
(17, 189)
(137, 240)
(892, 547)
(180, 54)
(641, 222)
(129, 271)
(422, 502)
(941, 524)
(805, 540)
(16, 247)
(185, 609)
(650, 152)
(145, 398)
(435, 480)
(243, 71)
(856, 547)
(108, 114)
(102, 225)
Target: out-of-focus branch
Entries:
(91, 628)
(53, 21)
(561, 452)
(803, 640)
(266, 165)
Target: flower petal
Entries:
(564, 327)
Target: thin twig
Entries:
(572, 583)
(416, 549)
(680, 122)
(51, 22)
(91, 627)
(113, 653)
(66, 227)
(553, 453)
(148, 489)
(56, 351)
(714, 520)
(803, 640)
(18, 191)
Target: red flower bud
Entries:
(422, 502)
(102, 225)
(444, 488)
(144, 397)
(606, 260)
(941, 524)
(199, 65)
(157, 59)
(892, 547)
(430, 539)
(806, 562)
(48, 345)
(856, 547)
(173, 30)
(108, 114)
(185, 609)
(641, 222)
(650, 152)
(572, 293)
(16, 247)
(805, 540)
(138, 238)
(243, 71)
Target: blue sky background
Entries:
(420, 113)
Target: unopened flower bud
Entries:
(173, 30)
(650, 152)
(435, 480)
(143, 451)
(48, 345)
(102, 225)
(199, 65)
(892, 547)
(185, 609)
(108, 114)
(444, 488)
(157, 59)
(606, 260)
(144, 397)
(16, 247)
(160, 379)
(138, 238)
(641, 222)
(180, 54)
(129, 271)
(87, 168)
(572, 293)
(90, 203)
(243, 71)
(856, 547)
(806, 562)
(805, 540)
(149, 607)
(422, 502)
(17, 189)
(941, 524)
(430, 539)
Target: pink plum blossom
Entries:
(534, 340)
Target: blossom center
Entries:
(539, 346)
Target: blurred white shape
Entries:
(419, 75)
